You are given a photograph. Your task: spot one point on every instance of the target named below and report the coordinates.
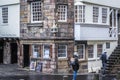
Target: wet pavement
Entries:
(13, 72)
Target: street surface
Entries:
(13, 72)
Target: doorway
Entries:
(1, 52)
(26, 56)
(14, 56)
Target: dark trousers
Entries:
(103, 66)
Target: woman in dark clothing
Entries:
(75, 66)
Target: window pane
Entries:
(104, 15)
(99, 50)
(62, 12)
(36, 11)
(46, 51)
(95, 14)
(5, 14)
(36, 52)
(107, 45)
(79, 13)
(62, 51)
(90, 51)
(80, 49)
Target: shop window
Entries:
(46, 51)
(36, 51)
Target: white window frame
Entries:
(4, 15)
(104, 15)
(46, 53)
(95, 14)
(83, 50)
(65, 50)
(92, 51)
(107, 45)
(37, 12)
(79, 13)
(101, 50)
(36, 54)
(62, 13)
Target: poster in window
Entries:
(46, 51)
(33, 65)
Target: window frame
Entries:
(83, 51)
(92, 51)
(101, 50)
(95, 14)
(59, 10)
(44, 54)
(104, 15)
(41, 18)
(79, 17)
(62, 53)
(36, 47)
(107, 45)
(4, 15)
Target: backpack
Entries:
(75, 65)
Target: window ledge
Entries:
(6, 24)
(62, 59)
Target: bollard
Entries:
(65, 77)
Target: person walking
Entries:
(104, 60)
(75, 66)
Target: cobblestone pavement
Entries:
(12, 72)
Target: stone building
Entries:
(46, 34)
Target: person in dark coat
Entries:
(75, 66)
(104, 60)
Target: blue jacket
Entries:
(104, 57)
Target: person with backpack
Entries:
(104, 60)
(75, 66)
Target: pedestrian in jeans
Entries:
(75, 66)
(104, 60)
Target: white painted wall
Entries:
(8, 2)
(77, 32)
(89, 14)
(12, 29)
(112, 3)
(92, 33)
(98, 31)
(95, 64)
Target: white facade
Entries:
(98, 32)
(12, 27)
(111, 3)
